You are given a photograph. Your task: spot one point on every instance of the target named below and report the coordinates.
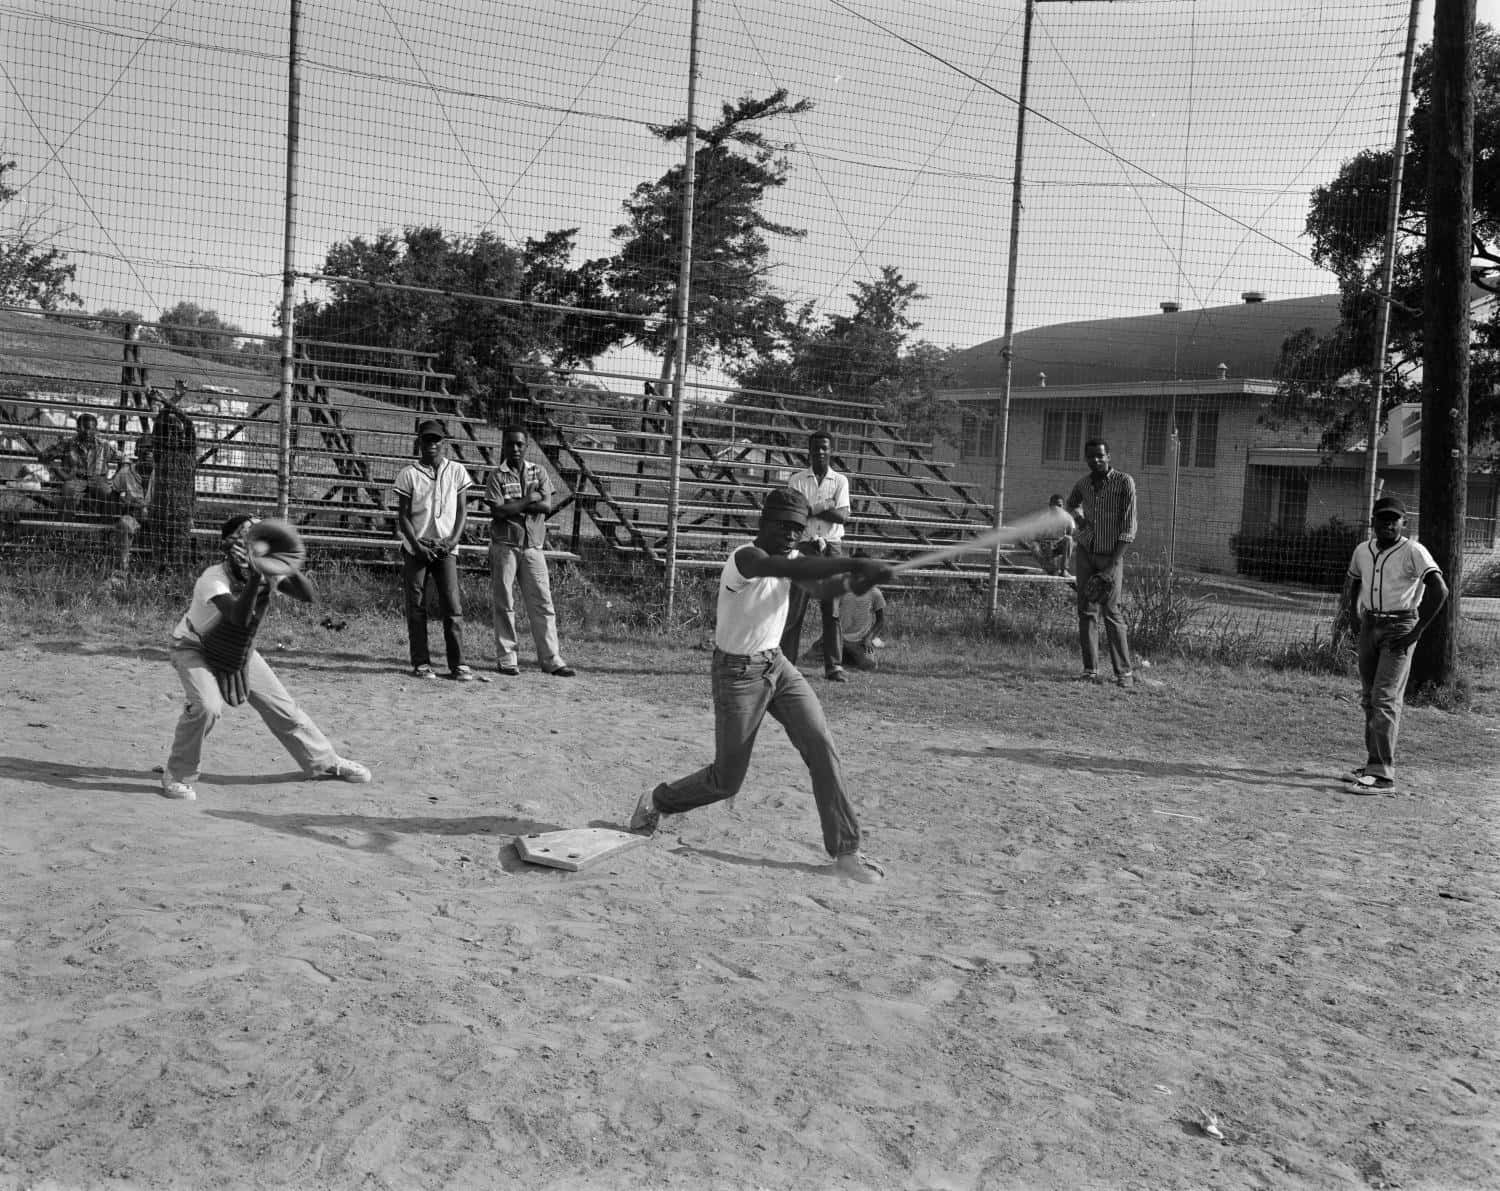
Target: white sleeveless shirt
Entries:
(751, 612)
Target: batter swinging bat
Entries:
(1051, 522)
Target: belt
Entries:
(1390, 615)
(765, 655)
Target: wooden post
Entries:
(1445, 326)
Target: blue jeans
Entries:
(1383, 671)
(205, 707)
(1086, 565)
(507, 563)
(745, 688)
(444, 573)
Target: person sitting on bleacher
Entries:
(132, 489)
(84, 464)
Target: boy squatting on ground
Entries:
(229, 601)
(751, 676)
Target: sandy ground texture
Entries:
(1127, 941)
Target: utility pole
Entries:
(1445, 326)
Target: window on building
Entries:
(1206, 447)
(979, 435)
(1064, 431)
(1158, 430)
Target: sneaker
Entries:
(1088, 676)
(1368, 783)
(646, 818)
(180, 791)
(836, 676)
(508, 671)
(1354, 776)
(462, 674)
(564, 672)
(856, 866)
(1126, 680)
(423, 671)
(343, 771)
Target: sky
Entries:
(1170, 149)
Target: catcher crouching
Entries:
(213, 652)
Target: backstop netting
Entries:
(490, 193)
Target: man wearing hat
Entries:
(1392, 592)
(431, 510)
(751, 676)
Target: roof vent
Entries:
(1171, 307)
(1042, 377)
(1223, 371)
(1252, 296)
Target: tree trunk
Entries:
(1445, 327)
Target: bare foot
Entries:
(855, 866)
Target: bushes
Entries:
(1318, 556)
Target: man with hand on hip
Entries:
(432, 508)
(519, 494)
(1392, 592)
(827, 495)
(1103, 504)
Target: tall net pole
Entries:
(1002, 430)
(288, 277)
(1388, 263)
(680, 317)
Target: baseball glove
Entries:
(1097, 589)
(276, 548)
(226, 649)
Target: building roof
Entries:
(1184, 345)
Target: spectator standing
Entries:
(173, 498)
(1103, 504)
(84, 463)
(1392, 592)
(431, 512)
(827, 494)
(519, 494)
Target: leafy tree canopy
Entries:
(195, 329)
(481, 343)
(735, 312)
(32, 271)
(867, 355)
(1327, 381)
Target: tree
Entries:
(734, 313)
(1327, 381)
(195, 329)
(484, 344)
(110, 321)
(866, 356)
(32, 271)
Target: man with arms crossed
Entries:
(432, 507)
(751, 677)
(1392, 592)
(1103, 503)
(827, 493)
(520, 498)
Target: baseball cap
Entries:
(1388, 506)
(785, 504)
(431, 428)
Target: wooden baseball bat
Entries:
(1050, 522)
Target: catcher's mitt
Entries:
(226, 649)
(1097, 589)
(276, 548)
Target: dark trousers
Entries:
(1086, 564)
(415, 573)
(746, 689)
(1383, 671)
(791, 636)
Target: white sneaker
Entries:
(181, 791)
(344, 771)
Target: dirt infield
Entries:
(1111, 920)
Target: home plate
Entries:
(574, 848)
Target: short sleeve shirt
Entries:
(528, 530)
(832, 489)
(202, 614)
(857, 613)
(1391, 580)
(751, 612)
(434, 497)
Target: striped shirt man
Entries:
(1105, 506)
